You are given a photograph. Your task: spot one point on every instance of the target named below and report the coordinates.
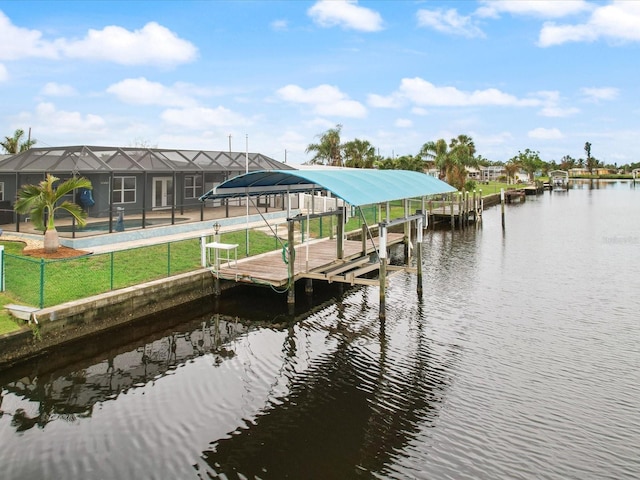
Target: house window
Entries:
(1, 191)
(124, 189)
(192, 186)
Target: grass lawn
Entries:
(7, 322)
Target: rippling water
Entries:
(520, 361)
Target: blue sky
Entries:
(516, 74)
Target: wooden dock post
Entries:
(407, 234)
(502, 205)
(453, 221)
(419, 223)
(382, 254)
(340, 233)
(291, 259)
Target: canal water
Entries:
(521, 360)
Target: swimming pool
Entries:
(103, 226)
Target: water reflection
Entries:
(71, 394)
(350, 413)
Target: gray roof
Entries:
(87, 159)
(356, 186)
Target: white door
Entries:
(162, 192)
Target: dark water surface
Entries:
(520, 361)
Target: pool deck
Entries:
(193, 227)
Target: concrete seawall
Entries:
(72, 320)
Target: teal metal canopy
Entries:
(355, 186)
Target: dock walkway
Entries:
(320, 262)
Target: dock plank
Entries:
(271, 268)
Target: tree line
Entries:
(450, 158)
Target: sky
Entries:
(272, 76)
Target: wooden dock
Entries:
(318, 262)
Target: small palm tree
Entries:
(43, 200)
(329, 150)
(15, 144)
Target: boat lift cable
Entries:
(364, 220)
(284, 250)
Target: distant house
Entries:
(601, 171)
(578, 171)
(138, 179)
(492, 173)
(473, 173)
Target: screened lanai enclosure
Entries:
(141, 186)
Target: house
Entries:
(137, 179)
(578, 172)
(492, 173)
(473, 173)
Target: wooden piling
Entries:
(382, 254)
(419, 254)
(502, 204)
(291, 252)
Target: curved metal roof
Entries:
(355, 186)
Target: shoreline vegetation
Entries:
(260, 242)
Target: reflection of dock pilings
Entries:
(341, 416)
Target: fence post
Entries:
(1, 268)
(168, 259)
(42, 282)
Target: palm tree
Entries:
(13, 144)
(329, 150)
(359, 154)
(438, 153)
(43, 200)
(461, 155)
(511, 169)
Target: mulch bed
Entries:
(63, 252)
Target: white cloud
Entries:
(617, 22)
(545, 133)
(53, 89)
(419, 111)
(279, 25)
(4, 73)
(378, 101)
(325, 99)
(556, 111)
(140, 91)
(538, 8)
(423, 93)
(597, 94)
(551, 104)
(199, 118)
(346, 14)
(403, 123)
(449, 21)
(55, 121)
(17, 43)
(151, 45)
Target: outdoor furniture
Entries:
(217, 247)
